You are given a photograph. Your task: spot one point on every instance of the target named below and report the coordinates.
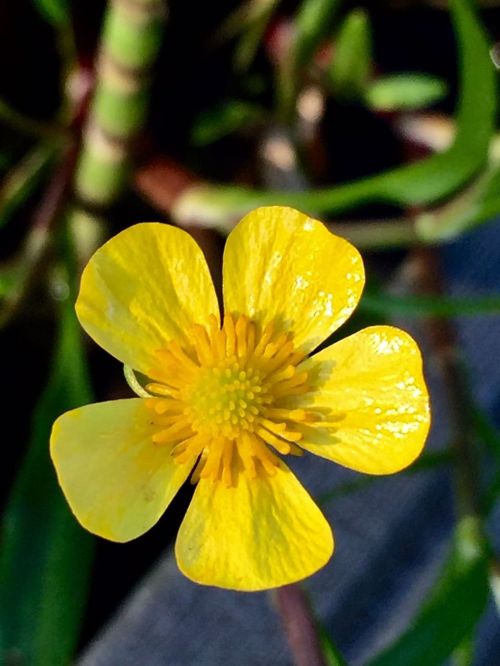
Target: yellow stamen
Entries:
(225, 402)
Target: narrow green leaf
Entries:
(405, 92)
(419, 183)
(54, 11)
(313, 22)
(489, 436)
(493, 186)
(331, 653)
(9, 282)
(22, 180)
(488, 203)
(425, 306)
(452, 611)
(463, 655)
(223, 120)
(24, 124)
(484, 429)
(259, 14)
(352, 56)
(466, 210)
(45, 555)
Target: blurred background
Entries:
(377, 117)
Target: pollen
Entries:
(229, 399)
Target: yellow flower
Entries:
(231, 397)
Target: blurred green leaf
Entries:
(54, 11)
(352, 57)
(484, 429)
(312, 24)
(258, 15)
(223, 120)
(414, 184)
(425, 306)
(487, 204)
(331, 653)
(23, 178)
(24, 124)
(463, 655)
(9, 276)
(405, 92)
(451, 612)
(478, 202)
(492, 190)
(489, 436)
(46, 556)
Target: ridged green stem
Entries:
(129, 45)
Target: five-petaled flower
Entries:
(228, 398)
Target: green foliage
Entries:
(45, 555)
(405, 92)
(450, 613)
(459, 214)
(257, 15)
(351, 63)
(331, 654)
(429, 306)
(223, 120)
(313, 22)
(416, 184)
(23, 179)
(54, 11)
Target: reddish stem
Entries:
(298, 623)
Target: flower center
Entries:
(227, 399)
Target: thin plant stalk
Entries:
(130, 42)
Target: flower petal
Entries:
(281, 265)
(258, 534)
(117, 482)
(142, 288)
(372, 385)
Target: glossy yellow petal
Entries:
(117, 482)
(373, 393)
(258, 534)
(281, 265)
(142, 288)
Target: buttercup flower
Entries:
(228, 399)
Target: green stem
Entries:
(130, 43)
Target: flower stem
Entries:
(298, 623)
